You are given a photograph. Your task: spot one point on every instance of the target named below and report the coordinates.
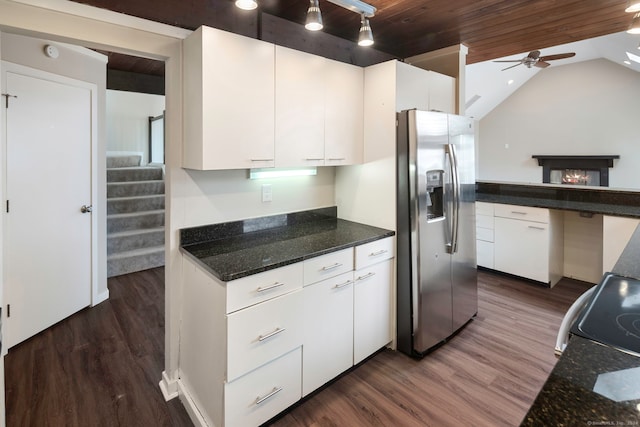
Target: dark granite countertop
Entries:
(242, 248)
(593, 384)
(595, 200)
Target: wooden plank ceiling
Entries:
(404, 28)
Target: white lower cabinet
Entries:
(256, 397)
(252, 347)
(328, 330)
(372, 309)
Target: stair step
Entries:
(117, 205)
(135, 220)
(134, 188)
(135, 260)
(134, 239)
(137, 173)
(123, 161)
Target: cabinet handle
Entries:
(331, 267)
(342, 285)
(273, 392)
(366, 276)
(262, 160)
(336, 158)
(380, 252)
(266, 288)
(518, 213)
(537, 228)
(312, 159)
(271, 334)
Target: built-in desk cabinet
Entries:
(252, 347)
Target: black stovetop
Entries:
(612, 316)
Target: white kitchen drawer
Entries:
(278, 383)
(260, 287)
(485, 234)
(484, 221)
(263, 332)
(525, 213)
(485, 255)
(374, 252)
(327, 266)
(484, 208)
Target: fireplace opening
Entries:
(576, 170)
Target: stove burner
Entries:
(630, 324)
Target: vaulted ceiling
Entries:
(403, 28)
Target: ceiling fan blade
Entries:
(511, 60)
(534, 54)
(510, 67)
(558, 56)
(541, 64)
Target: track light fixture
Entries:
(633, 6)
(314, 17)
(246, 4)
(634, 28)
(365, 36)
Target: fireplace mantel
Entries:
(600, 163)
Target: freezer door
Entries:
(432, 236)
(463, 266)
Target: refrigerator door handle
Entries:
(455, 180)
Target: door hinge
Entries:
(8, 310)
(6, 99)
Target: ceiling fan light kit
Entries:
(314, 16)
(533, 59)
(633, 6)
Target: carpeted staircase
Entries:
(135, 216)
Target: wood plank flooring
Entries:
(101, 367)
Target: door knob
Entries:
(86, 209)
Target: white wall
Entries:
(584, 108)
(127, 122)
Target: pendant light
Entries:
(633, 6)
(365, 36)
(314, 17)
(246, 4)
(635, 25)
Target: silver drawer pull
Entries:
(262, 160)
(342, 285)
(336, 158)
(266, 288)
(271, 334)
(273, 392)
(366, 276)
(518, 213)
(331, 267)
(380, 252)
(537, 228)
(312, 159)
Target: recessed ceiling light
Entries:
(634, 58)
(510, 82)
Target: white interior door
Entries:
(48, 179)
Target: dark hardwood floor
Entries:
(101, 366)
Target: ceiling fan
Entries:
(533, 59)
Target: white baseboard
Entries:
(191, 407)
(168, 387)
(100, 298)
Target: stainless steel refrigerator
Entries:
(437, 278)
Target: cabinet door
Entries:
(228, 101)
(522, 248)
(372, 309)
(442, 93)
(328, 329)
(300, 92)
(344, 106)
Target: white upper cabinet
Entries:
(442, 93)
(319, 110)
(300, 91)
(344, 114)
(228, 101)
